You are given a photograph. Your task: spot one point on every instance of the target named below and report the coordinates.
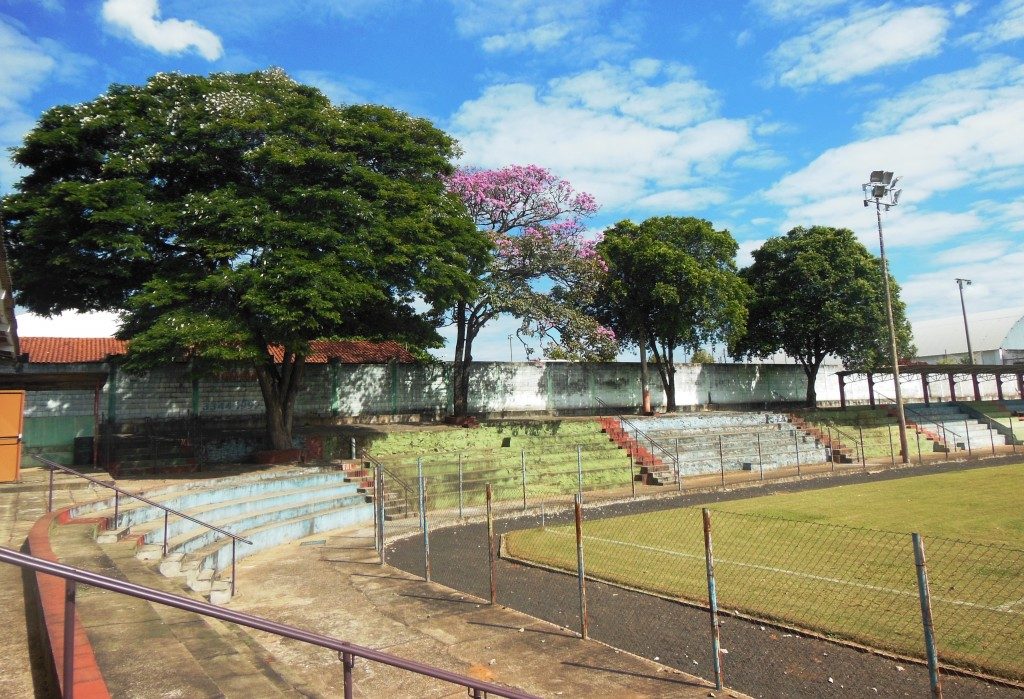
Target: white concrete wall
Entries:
(495, 388)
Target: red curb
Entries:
(88, 679)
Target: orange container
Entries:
(12, 419)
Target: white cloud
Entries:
(744, 38)
(934, 293)
(962, 8)
(866, 41)
(1006, 23)
(682, 200)
(794, 9)
(140, 19)
(29, 65)
(514, 26)
(975, 251)
(950, 97)
(337, 91)
(67, 324)
(620, 133)
(745, 254)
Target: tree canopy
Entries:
(817, 292)
(229, 214)
(541, 269)
(671, 284)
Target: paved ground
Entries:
(762, 661)
(334, 585)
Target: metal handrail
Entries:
(919, 414)
(347, 652)
(51, 465)
(668, 453)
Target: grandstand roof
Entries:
(990, 330)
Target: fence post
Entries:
(863, 455)
(967, 438)
(70, 593)
(580, 571)
(579, 470)
(381, 514)
(421, 501)
(1013, 437)
(926, 615)
(716, 639)
(632, 478)
(796, 443)
(892, 454)
(348, 662)
(491, 557)
(919, 459)
(426, 531)
(992, 439)
(760, 461)
(679, 470)
(831, 449)
(460, 486)
(721, 459)
(523, 459)
(49, 497)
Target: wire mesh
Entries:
(977, 595)
(851, 584)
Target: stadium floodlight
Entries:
(881, 191)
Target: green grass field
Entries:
(838, 561)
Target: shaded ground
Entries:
(762, 661)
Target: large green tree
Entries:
(235, 216)
(671, 285)
(818, 292)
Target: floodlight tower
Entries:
(881, 191)
(962, 283)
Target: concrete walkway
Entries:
(333, 584)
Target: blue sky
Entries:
(757, 115)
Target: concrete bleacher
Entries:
(958, 429)
(267, 509)
(725, 441)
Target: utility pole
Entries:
(961, 283)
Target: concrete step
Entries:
(150, 650)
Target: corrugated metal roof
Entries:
(79, 350)
(990, 330)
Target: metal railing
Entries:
(347, 652)
(118, 492)
(666, 453)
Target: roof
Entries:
(71, 350)
(79, 350)
(990, 330)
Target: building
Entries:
(997, 337)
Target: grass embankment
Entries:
(841, 562)
(494, 453)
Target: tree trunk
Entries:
(811, 372)
(460, 365)
(279, 385)
(645, 378)
(670, 393)
(667, 383)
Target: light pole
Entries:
(509, 349)
(881, 191)
(962, 283)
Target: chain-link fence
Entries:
(845, 583)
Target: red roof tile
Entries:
(75, 350)
(70, 350)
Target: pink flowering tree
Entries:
(542, 270)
